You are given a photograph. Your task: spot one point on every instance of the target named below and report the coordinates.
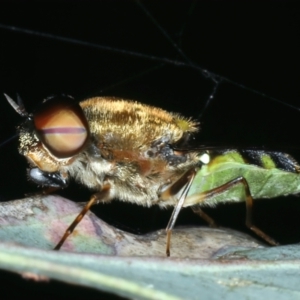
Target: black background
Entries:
(125, 54)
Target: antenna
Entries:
(18, 107)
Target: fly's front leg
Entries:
(102, 195)
(200, 198)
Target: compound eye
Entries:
(61, 126)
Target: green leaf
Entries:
(205, 263)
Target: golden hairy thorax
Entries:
(135, 142)
(125, 124)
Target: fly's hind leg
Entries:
(102, 195)
(200, 198)
(210, 221)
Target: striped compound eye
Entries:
(61, 126)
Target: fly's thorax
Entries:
(123, 124)
(89, 170)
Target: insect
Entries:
(160, 61)
(136, 153)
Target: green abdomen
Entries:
(269, 175)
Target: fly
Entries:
(129, 151)
(226, 52)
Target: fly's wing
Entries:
(262, 158)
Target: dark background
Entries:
(124, 49)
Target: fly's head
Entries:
(51, 137)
